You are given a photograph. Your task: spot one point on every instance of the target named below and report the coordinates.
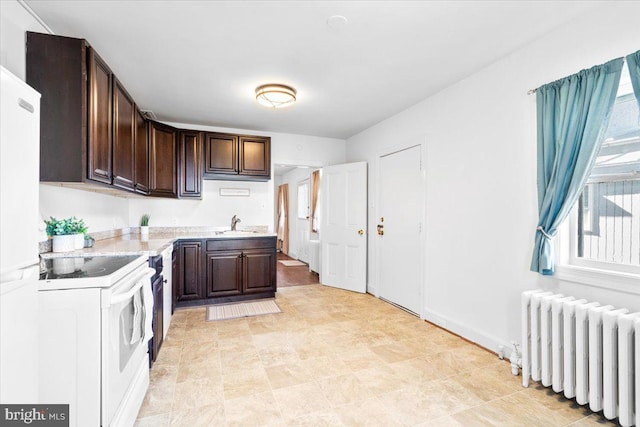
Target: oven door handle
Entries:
(118, 298)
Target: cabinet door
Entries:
(258, 271)
(141, 163)
(190, 165)
(224, 273)
(255, 156)
(162, 161)
(100, 125)
(123, 137)
(189, 270)
(221, 154)
(57, 68)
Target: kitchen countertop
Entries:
(157, 241)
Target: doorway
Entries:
(296, 181)
(399, 228)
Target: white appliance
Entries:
(19, 180)
(95, 325)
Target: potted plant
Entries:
(144, 225)
(80, 229)
(63, 233)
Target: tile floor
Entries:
(336, 358)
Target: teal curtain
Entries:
(573, 114)
(633, 62)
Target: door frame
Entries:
(385, 151)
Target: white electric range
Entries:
(95, 324)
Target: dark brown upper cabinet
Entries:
(163, 152)
(91, 130)
(100, 119)
(141, 168)
(124, 130)
(57, 68)
(221, 154)
(255, 156)
(190, 165)
(237, 157)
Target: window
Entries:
(606, 226)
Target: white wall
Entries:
(481, 202)
(14, 21)
(100, 212)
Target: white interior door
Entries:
(399, 260)
(344, 225)
(302, 221)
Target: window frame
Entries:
(571, 268)
(602, 274)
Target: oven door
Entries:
(127, 309)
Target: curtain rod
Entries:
(531, 91)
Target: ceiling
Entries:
(199, 62)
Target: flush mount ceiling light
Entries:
(337, 21)
(275, 95)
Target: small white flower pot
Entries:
(79, 240)
(144, 230)
(64, 243)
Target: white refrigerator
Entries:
(19, 258)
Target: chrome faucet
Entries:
(234, 221)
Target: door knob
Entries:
(380, 230)
(361, 232)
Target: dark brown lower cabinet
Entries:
(232, 269)
(258, 271)
(224, 273)
(188, 280)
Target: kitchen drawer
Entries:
(244, 243)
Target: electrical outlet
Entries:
(175, 221)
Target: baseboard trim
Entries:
(486, 341)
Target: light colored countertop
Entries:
(157, 241)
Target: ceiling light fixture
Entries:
(275, 95)
(337, 21)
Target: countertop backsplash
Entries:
(126, 241)
(45, 246)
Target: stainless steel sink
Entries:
(237, 233)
